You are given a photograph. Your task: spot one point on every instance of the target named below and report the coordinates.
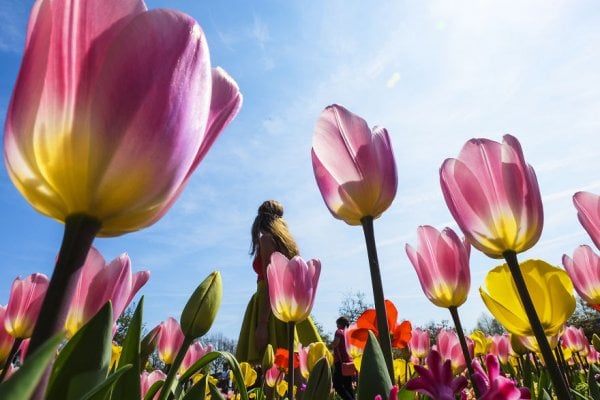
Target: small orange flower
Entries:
(282, 357)
(400, 333)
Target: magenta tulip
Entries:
(493, 385)
(354, 166)
(441, 261)
(437, 380)
(493, 195)
(113, 109)
(584, 271)
(588, 212)
(98, 283)
(292, 286)
(24, 303)
(170, 340)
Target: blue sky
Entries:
(435, 74)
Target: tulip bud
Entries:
(149, 344)
(319, 382)
(201, 309)
(268, 358)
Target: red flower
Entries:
(282, 357)
(400, 333)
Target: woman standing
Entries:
(341, 383)
(270, 233)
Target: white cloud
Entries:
(393, 81)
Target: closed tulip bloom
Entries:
(494, 196)
(588, 212)
(24, 303)
(98, 283)
(170, 340)
(292, 286)
(441, 261)
(584, 270)
(501, 348)
(551, 292)
(112, 111)
(574, 339)
(481, 343)
(448, 346)
(354, 166)
(147, 379)
(6, 339)
(309, 356)
(420, 343)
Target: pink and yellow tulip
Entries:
(574, 339)
(441, 261)
(195, 352)
(584, 270)
(98, 283)
(147, 379)
(501, 348)
(354, 166)
(24, 304)
(420, 343)
(588, 212)
(6, 339)
(448, 346)
(292, 286)
(493, 195)
(113, 109)
(170, 339)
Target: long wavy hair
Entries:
(270, 220)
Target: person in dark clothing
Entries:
(342, 384)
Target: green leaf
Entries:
(84, 361)
(128, 387)
(215, 393)
(198, 365)
(22, 384)
(197, 391)
(237, 374)
(405, 394)
(373, 378)
(104, 389)
(152, 390)
(319, 381)
(592, 383)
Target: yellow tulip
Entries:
(316, 351)
(551, 291)
(403, 370)
(115, 355)
(248, 373)
(482, 343)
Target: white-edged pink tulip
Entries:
(292, 286)
(588, 212)
(113, 109)
(98, 283)
(24, 304)
(584, 271)
(441, 261)
(354, 166)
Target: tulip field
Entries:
(77, 115)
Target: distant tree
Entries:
(489, 325)
(123, 323)
(219, 342)
(435, 327)
(586, 317)
(353, 305)
(325, 336)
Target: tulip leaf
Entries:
(215, 393)
(405, 394)
(198, 365)
(104, 389)
(596, 342)
(319, 381)
(373, 378)
(128, 387)
(237, 374)
(593, 384)
(197, 391)
(85, 359)
(24, 381)
(152, 390)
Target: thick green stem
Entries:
(290, 379)
(382, 324)
(80, 231)
(463, 345)
(560, 386)
(173, 368)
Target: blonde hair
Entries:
(270, 220)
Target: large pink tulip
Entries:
(584, 271)
(170, 340)
(113, 109)
(494, 196)
(441, 261)
(292, 286)
(24, 304)
(588, 212)
(354, 166)
(98, 283)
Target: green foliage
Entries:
(373, 378)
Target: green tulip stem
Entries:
(463, 345)
(290, 377)
(9, 359)
(382, 324)
(173, 368)
(558, 381)
(80, 231)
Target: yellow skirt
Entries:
(306, 332)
